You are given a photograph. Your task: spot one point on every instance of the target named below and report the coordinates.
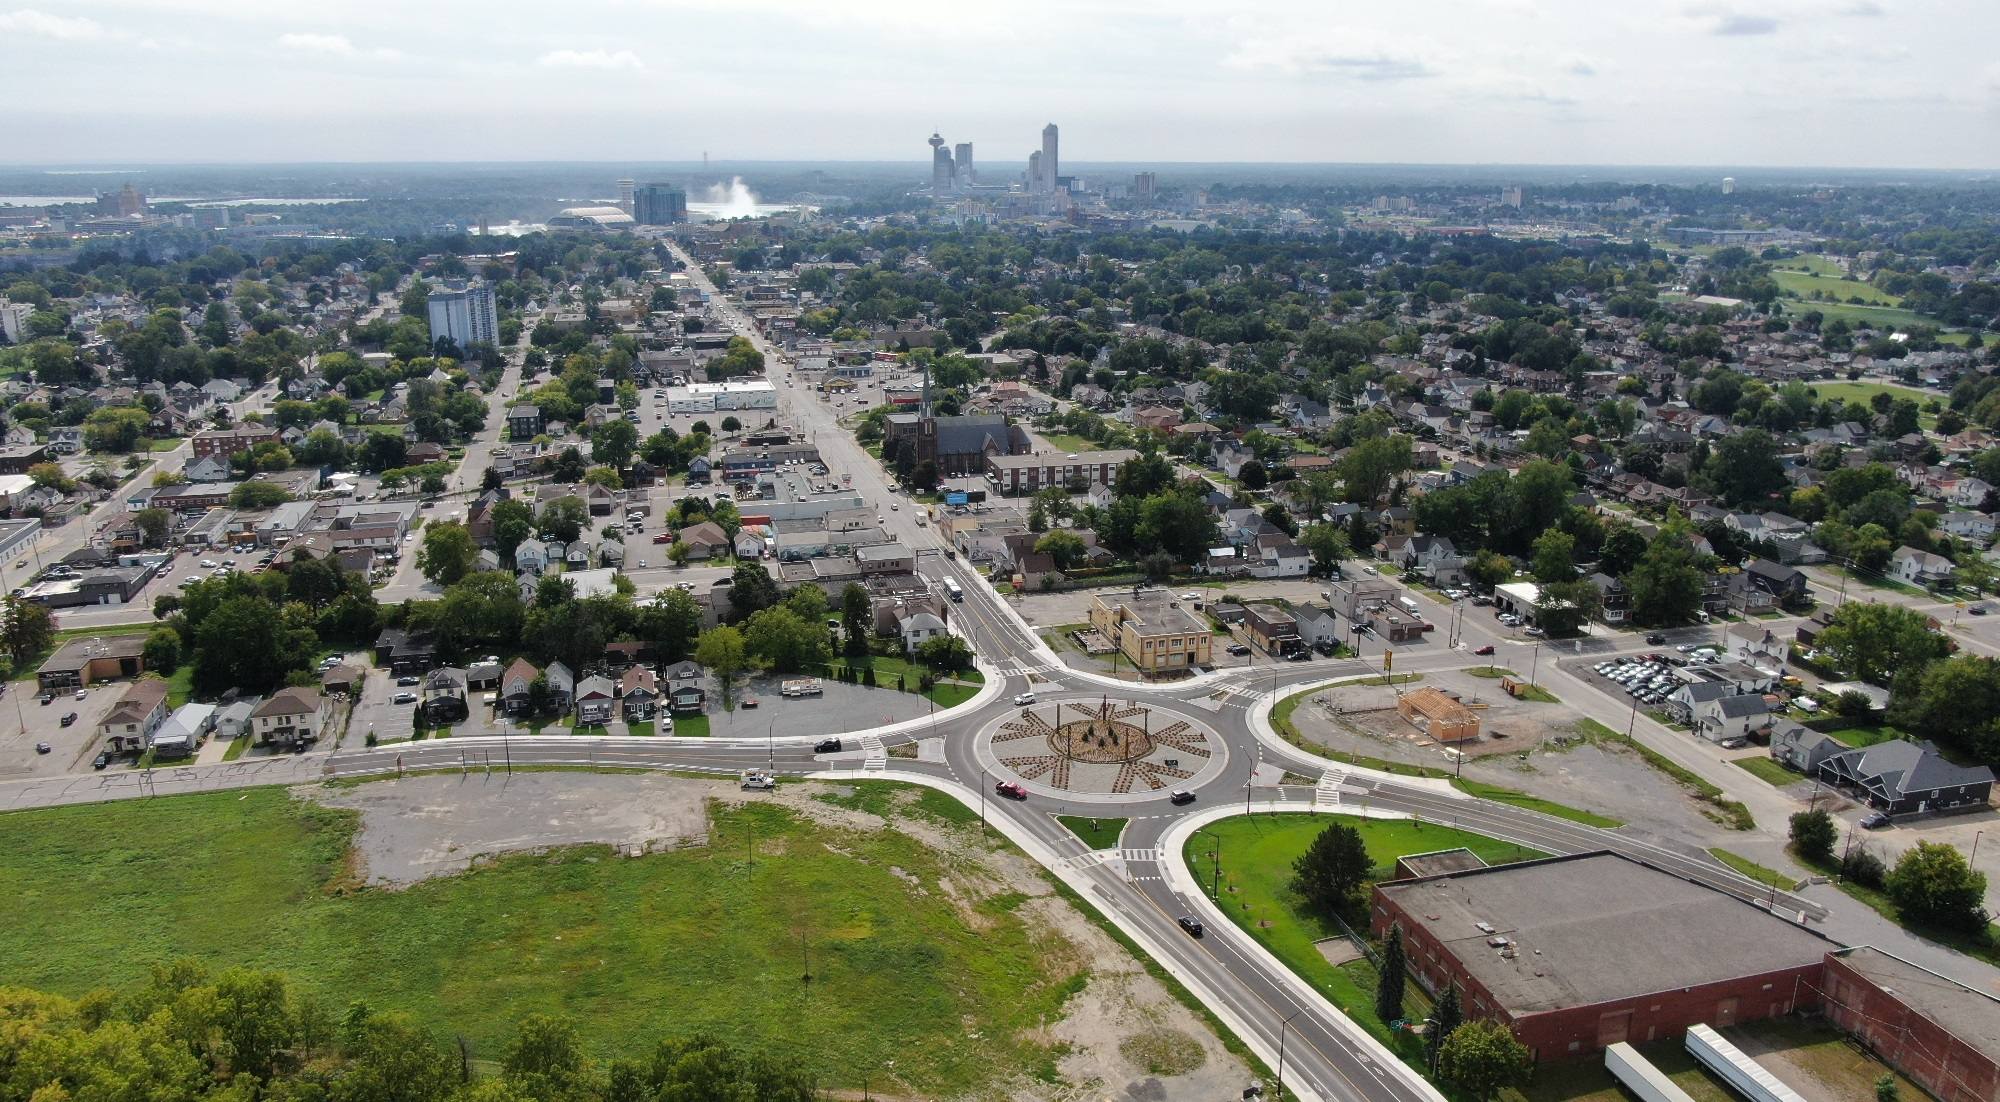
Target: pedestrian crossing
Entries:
(875, 756)
(1327, 792)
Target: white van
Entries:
(1409, 603)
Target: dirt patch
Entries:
(413, 828)
(1337, 950)
(1506, 725)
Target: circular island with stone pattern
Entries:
(1100, 747)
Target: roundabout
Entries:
(1101, 748)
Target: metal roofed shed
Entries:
(1438, 714)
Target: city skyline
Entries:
(1891, 84)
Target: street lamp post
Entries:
(1534, 664)
(1281, 1048)
(1975, 847)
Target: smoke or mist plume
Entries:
(731, 200)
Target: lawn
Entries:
(956, 689)
(1866, 392)
(1876, 317)
(1804, 285)
(237, 746)
(1534, 803)
(1066, 442)
(1767, 770)
(1812, 263)
(1255, 890)
(1858, 737)
(641, 730)
(1095, 833)
(699, 939)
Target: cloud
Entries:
(1337, 55)
(1737, 25)
(590, 59)
(1578, 66)
(42, 24)
(336, 45)
(1864, 9)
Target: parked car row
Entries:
(1648, 678)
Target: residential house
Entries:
(687, 693)
(1614, 598)
(918, 627)
(705, 541)
(596, 701)
(1729, 717)
(291, 718)
(515, 683)
(562, 685)
(1803, 748)
(531, 556)
(524, 422)
(1977, 528)
(1919, 568)
(442, 696)
(1787, 584)
(1753, 643)
(1908, 778)
(1317, 627)
(180, 736)
(483, 677)
(130, 723)
(638, 694)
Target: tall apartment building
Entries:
(1051, 169)
(14, 321)
(659, 205)
(465, 313)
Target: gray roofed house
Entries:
(1802, 748)
(562, 684)
(1728, 717)
(596, 700)
(1683, 701)
(1903, 778)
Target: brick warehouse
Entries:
(1942, 1034)
(1577, 953)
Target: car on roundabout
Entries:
(1010, 790)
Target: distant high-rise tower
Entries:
(464, 312)
(1050, 168)
(962, 165)
(1144, 184)
(130, 202)
(1035, 171)
(1511, 197)
(659, 205)
(941, 167)
(1729, 185)
(625, 195)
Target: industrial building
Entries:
(1574, 954)
(711, 397)
(1943, 1035)
(1153, 631)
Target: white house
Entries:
(917, 628)
(1728, 717)
(1919, 568)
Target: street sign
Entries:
(1388, 660)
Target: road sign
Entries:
(1388, 660)
(955, 499)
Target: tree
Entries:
(671, 623)
(563, 519)
(153, 526)
(1489, 568)
(26, 629)
(245, 642)
(256, 494)
(1666, 584)
(722, 650)
(1564, 607)
(1931, 884)
(1253, 476)
(731, 424)
(1328, 545)
(1065, 547)
(1390, 979)
(115, 428)
(1482, 1057)
(783, 641)
(163, 651)
(1745, 469)
(857, 617)
(613, 443)
(1332, 869)
(1555, 557)
(1371, 465)
(1446, 1017)
(1813, 834)
(751, 590)
(51, 475)
(944, 654)
(448, 553)
(513, 523)
(1877, 642)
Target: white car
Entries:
(208, 564)
(642, 562)
(1024, 699)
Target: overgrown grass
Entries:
(1095, 833)
(1728, 812)
(1762, 874)
(634, 950)
(1534, 803)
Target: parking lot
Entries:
(70, 748)
(1649, 679)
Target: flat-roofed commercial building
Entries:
(1026, 474)
(1575, 954)
(1153, 631)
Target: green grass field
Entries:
(1762, 874)
(960, 687)
(1879, 317)
(1858, 737)
(1095, 833)
(1767, 770)
(1255, 890)
(697, 939)
(1804, 286)
(1066, 442)
(1811, 263)
(1865, 392)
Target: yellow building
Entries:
(1154, 632)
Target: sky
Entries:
(1846, 83)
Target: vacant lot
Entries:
(927, 945)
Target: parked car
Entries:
(1010, 790)
(1237, 649)
(81, 693)
(664, 537)
(102, 759)
(48, 698)
(1874, 820)
(827, 746)
(1656, 639)
(406, 680)
(43, 748)
(406, 698)
(68, 718)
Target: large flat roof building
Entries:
(1153, 631)
(1574, 954)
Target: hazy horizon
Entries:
(1859, 84)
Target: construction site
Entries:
(1426, 720)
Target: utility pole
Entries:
(1282, 1026)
